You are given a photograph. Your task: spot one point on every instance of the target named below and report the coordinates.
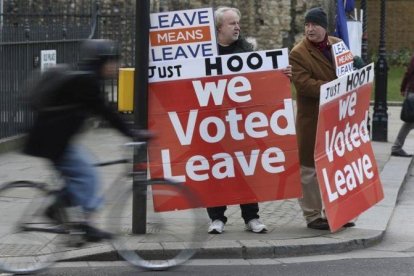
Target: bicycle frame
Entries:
(117, 195)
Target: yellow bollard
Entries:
(126, 90)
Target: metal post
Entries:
(94, 16)
(330, 8)
(139, 203)
(364, 44)
(1, 20)
(380, 118)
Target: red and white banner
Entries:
(346, 168)
(225, 127)
(344, 60)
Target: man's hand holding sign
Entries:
(345, 163)
(226, 128)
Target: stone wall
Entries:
(274, 23)
(399, 25)
(279, 23)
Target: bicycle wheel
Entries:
(23, 250)
(171, 238)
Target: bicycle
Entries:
(29, 242)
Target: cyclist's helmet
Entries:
(95, 52)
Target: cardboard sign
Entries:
(182, 34)
(344, 60)
(355, 36)
(225, 127)
(346, 168)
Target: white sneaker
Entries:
(216, 227)
(256, 226)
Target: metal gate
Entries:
(29, 27)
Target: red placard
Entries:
(346, 168)
(230, 137)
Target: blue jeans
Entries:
(402, 134)
(81, 178)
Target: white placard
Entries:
(344, 60)
(182, 34)
(355, 37)
(219, 65)
(48, 59)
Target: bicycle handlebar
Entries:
(114, 162)
(121, 161)
(134, 144)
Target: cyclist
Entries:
(64, 109)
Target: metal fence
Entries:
(17, 62)
(28, 29)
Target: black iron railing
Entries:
(25, 31)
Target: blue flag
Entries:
(349, 5)
(341, 30)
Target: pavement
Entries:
(287, 233)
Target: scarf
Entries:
(324, 47)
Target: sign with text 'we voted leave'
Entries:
(182, 34)
(345, 163)
(225, 127)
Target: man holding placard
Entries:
(313, 65)
(229, 42)
(227, 20)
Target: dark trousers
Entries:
(248, 211)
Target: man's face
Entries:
(314, 32)
(229, 31)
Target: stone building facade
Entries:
(399, 20)
(279, 23)
(274, 23)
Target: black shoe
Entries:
(401, 153)
(319, 224)
(349, 224)
(346, 225)
(93, 234)
(56, 213)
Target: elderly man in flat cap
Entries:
(312, 66)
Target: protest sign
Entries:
(225, 127)
(346, 168)
(344, 60)
(182, 34)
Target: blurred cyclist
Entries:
(73, 97)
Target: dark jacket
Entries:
(407, 84)
(239, 46)
(56, 124)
